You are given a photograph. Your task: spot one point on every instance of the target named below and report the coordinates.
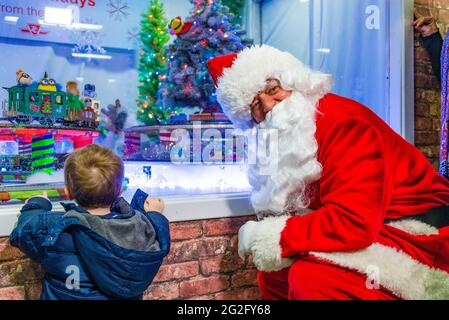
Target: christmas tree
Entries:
(236, 8)
(46, 107)
(207, 33)
(154, 36)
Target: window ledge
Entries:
(177, 208)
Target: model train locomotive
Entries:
(47, 104)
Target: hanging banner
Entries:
(105, 23)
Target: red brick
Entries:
(434, 110)
(421, 54)
(423, 81)
(184, 251)
(205, 297)
(203, 286)
(234, 249)
(436, 124)
(241, 294)
(427, 89)
(423, 124)
(185, 231)
(12, 293)
(162, 291)
(218, 227)
(426, 138)
(421, 109)
(234, 243)
(8, 252)
(430, 151)
(214, 246)
(221, 264)
(19, 272)
(431, 96)
(33, 290)
(177, 271)
(244, 278)
(425, 68)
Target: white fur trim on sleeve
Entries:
(265, 247)
(414, 227)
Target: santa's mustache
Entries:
(279, 110)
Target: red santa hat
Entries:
(239, 78)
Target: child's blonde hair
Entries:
(94, 176)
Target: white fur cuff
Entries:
(265, 246)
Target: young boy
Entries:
(104, 248)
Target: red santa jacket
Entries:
(370, 173)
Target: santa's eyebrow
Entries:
(273, 79)
(272, 82)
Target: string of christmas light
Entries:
(154, 36)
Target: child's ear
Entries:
(67, 192)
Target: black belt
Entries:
(437, 217)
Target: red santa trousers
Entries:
(312, 279)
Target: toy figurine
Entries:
(178, 27)
(89, 99)
(74, 103)
(89, 91)
(23, 78)
(115, 119)
(47, 84)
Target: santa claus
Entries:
(356, 212)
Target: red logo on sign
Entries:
(34, 107)
(34, 29)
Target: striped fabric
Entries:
(42, 154)
(24, 148)
(444, 170)
(132, 145)
(165, 137)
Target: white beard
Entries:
(281, 186)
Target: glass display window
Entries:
(129, 74)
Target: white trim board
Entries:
(177, 208)
(401, 74)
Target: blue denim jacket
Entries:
(93, 257)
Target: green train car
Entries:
(26, 104)
(48, 107)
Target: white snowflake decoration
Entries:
(133, 36)
(87, 41)
(118, 9)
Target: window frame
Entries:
(401, 82)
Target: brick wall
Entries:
(427, 90)
(19, 277)
(203, 264)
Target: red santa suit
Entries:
(356, 243)
(370, 173)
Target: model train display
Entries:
(47, 104)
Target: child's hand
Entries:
(44, 195)
(154, 204)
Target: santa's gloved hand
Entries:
(261, 239)
(246, 234)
